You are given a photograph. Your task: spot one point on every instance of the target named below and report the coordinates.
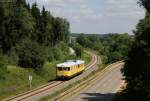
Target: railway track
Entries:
(87, 83)
(23, 97)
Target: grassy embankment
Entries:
(17, 78)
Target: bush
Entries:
(31, 55)
(78, 49)
(58, 54)
(63, 47)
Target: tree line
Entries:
(113, 47)
(29, 36)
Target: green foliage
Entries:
(12, 57)
(63, 47)
(137, 67)
(29, 37)
(83, 40)
(145, 3)
(16, 79)
(3, 68)
(50, 54)
(114, 47)
(19, 22)
(92, 42)
(117, 46)
(57, 54)
(78, 49)
(31, 55)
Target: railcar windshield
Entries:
(60, 68)
(63, 68)
(66, 69)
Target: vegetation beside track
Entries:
(16, 80)
(113, 48)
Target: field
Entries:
(17, 78)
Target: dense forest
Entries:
(113, 47)
(28, 35)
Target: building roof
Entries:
(70, 63)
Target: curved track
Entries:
(104, 82)
(56, 85)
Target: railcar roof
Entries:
(70, 63)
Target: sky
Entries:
(96, 16)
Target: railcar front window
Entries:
(66, 69)
(60, 68)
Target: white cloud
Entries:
(124, 7)
(113, 16)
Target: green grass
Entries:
(17, 82)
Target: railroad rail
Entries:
(86, 83)
(22, 97)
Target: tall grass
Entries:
(16, 79)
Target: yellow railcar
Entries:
(70, 69)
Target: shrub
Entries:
(58, 54)
(63, 47)
(31, 54)
(78, 49)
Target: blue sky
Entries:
(96, 16)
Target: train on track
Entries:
(70, 69)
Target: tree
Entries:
(83, 40)
(60, 30)
(17, 25)
(31, 55)
(45, 35)
(2, 28)
(146, 4)
(19, 21)
(78, 49)
(137, 67)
